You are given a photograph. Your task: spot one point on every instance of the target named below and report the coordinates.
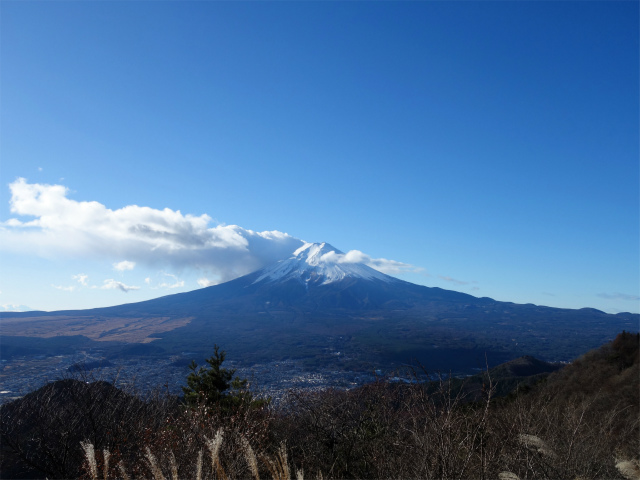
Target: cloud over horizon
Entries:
(124, 265)
(619, 296)
(11, 307)
(81, 278)
(111, 284)
(146, 236)
(69, 288)
(454, 280)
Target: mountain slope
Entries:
(319, 302)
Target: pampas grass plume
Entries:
(153, 465)
(284, 462)
(508, 476)
(629, 469)
(199, 466)
(90, 455)
(123, 471)
(251, 457)
(536, 444)
(174, 467)
(105, 466)
(214, 451)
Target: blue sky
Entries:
(485, 147)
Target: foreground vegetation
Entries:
(579, 422)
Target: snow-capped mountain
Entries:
(319, 264)
(318, 302)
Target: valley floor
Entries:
(144, 375)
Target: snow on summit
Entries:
(319, 264)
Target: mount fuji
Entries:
(319, 264)
(323, 307)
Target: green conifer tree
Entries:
(215, 385)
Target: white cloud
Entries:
(57, 225)
(81, 278)
(619, 296)
(10, 307)
(62, 226)
(12, 222)
(391, 267)
(205, 282)
(111, 284)
(453, 280)
(176, 284)
(167, 280)
(124, 265)
(70, 288)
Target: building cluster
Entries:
(148, 375)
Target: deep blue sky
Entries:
(493, 146)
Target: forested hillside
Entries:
(581, 421)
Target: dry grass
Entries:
(629, 469)
(278, 465)
(121, 329)
(90, 455)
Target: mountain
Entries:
(316, 278)
(519, 374)
(41, 432)
(321, 306)
(318, 264)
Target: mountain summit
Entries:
(319, 264)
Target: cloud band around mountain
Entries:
(390, 267)
(147, 236)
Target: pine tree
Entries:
(215, 385)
